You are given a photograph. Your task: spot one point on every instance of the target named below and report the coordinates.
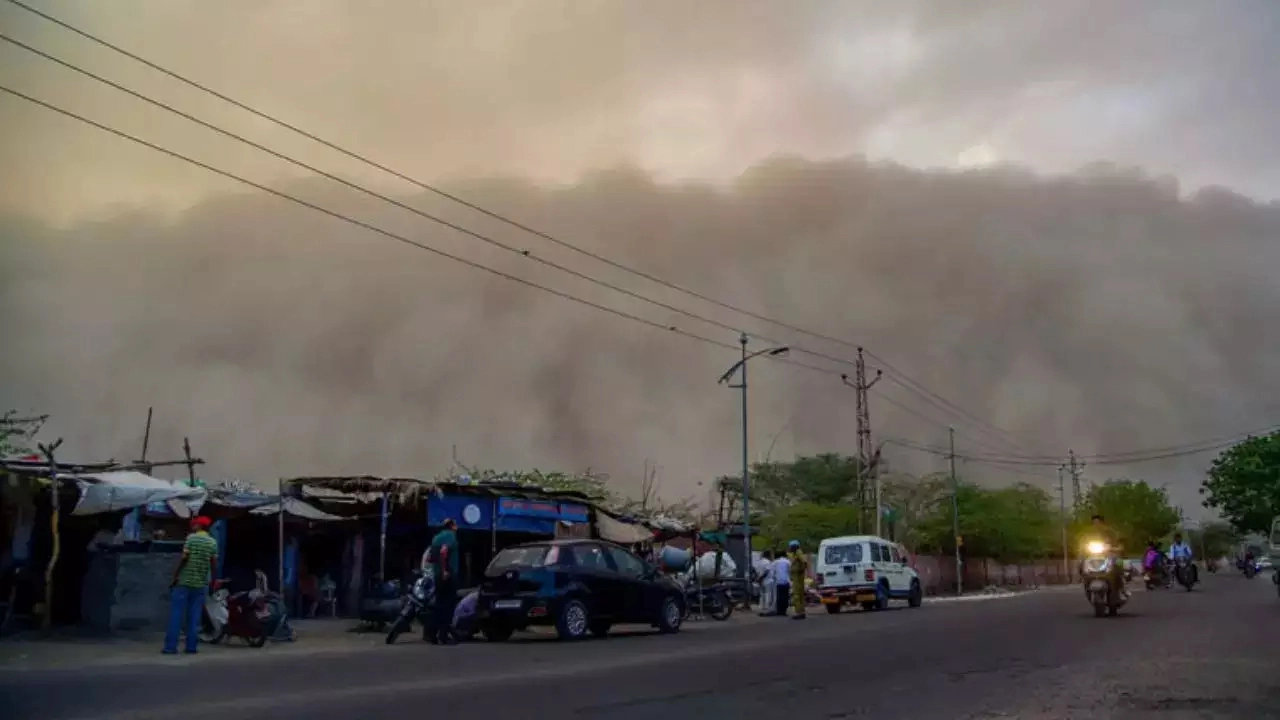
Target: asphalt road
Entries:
(1170, 654)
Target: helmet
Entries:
(793, 545)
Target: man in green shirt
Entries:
(190, 585)
(444, 554)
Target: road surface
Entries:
(1170, 654)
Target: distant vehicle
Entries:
(866, 570)
(576, 586)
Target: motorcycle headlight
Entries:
(1096, 547)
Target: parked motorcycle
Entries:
(710, 600)
(417, 604)
(1098, 587)
(1186, 573)
(250, 616)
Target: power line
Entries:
(1130, 458)
(906, 381)
(387, 233)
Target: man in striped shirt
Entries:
(190, 585)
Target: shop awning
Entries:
(126, 489)
(298, 509)
(620, 532)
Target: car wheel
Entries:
(915, 597)
(669, 616)
(496, 633)
(833, 609)
(600, 628)
(573, 620)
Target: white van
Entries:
(867, 570)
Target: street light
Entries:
(741, 365)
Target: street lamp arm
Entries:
(772, 352)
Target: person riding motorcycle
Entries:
(1106, 534)
(1181, 551)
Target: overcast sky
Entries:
(552, 91)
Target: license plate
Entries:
(1097, 585)
(506, 605)
(830, 601)
(867, 597)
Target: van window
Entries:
(842, 554)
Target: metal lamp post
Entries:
(746, 461)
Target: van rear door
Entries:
(840, 564)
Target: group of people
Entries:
(782, 581)
(1157, 561)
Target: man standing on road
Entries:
(782, 584)
(190, 584)
(799, 572)
(444, 551)
(768, 586)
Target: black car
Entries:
(578, 586)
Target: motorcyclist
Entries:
(1181, 551)
(1109, 536)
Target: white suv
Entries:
(867, 570)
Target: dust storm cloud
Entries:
(1104, 308)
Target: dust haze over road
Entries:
(1103, 308)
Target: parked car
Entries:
(866, 570)
(577, 586)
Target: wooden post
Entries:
(382, 541)
(280, 535)
(55, 508)
(146, 437)
(191, 463)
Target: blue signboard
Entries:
(512, 514)
(469, 511)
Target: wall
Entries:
(127, 591)
(938, 574)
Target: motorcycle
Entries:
(711, 600)
(1250, 567)
(1099, 589)
(251, 615)
(417, 604)
(1186, 573)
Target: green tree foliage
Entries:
(1137, 512)
(1244, 484)
(1007, 524)
(912, 502)
(17, 433)
(1214, 539)
(807, 522)
(825, 479)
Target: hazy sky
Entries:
(691, 95)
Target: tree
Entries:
(912, 501)
(1244, 484)
(810, 523)
(1007, 524)
(1213, 539)
(1137, 512)
(16, 433)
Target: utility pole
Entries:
(190, 462)
(955, 510)
(863, 412)
(1062, 509)
(1074, 468)
(146, 438)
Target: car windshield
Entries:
(843, 554)
(524, 557)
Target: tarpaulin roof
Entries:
(298, 509)
(620, 532)
(126, 489)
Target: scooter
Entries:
(710, 599)
(1099, 590)
(250, 616)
